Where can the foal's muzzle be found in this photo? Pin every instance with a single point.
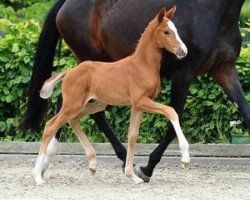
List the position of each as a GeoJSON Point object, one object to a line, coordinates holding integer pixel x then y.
{"type": "Point", "coordinates": [181, 52]}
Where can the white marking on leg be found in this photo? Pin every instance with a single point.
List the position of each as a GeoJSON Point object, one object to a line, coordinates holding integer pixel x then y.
{"type": "Point", "coordinates": [51, 151]}
{"type": "Point", "coordinates": [37, 171]}
{"type": "Point", "coordinates": [183, 144]}
{"type": "Point", "coordinates": [52, 147]}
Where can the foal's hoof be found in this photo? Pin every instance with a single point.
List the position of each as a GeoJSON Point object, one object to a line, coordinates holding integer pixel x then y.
{"type": "Point", "coordinates": [185, 165]}
{"type": "Point", "coordinates": [139, 173]}
{"type": "Point", "coordinates": [92, 167]}
{"type": "Point", "coordinates": [136, 179]}
{"type": "Point", "coordinates": [132, 176]}
{"type": "Point", "coordinates": [40, 182]}
{"type": "Point", "coordinates": [38, 178]}
{"type": "Point", "coordinates": [92, 171]}
{"type": "Point", "coordinates": [123, 168]}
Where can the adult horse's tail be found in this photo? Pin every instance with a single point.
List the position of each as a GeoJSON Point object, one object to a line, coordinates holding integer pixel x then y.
{"type": "Point", "coordinates": [42, 69]}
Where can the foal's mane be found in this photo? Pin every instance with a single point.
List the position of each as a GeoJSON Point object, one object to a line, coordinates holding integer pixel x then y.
{"type": "Point", "coordinates": [146, 35]}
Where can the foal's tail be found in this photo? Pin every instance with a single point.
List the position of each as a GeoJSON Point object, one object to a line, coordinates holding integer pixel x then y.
{"type": "Point", "coordinates": [49, 84]}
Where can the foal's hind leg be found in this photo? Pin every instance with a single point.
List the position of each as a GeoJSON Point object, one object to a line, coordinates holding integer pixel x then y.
{"type": "Point", "coordinates": [50, 152]}
{"type": "Point", "coordinates": [54, 142]}
{"type": "Point", "coordinates": [50, 129]}
{"type": "Point", "coordinates": [90, 151]}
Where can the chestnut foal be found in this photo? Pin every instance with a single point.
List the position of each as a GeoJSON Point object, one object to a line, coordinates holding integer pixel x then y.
{"type": "Point", "coordinates": [91, 86]}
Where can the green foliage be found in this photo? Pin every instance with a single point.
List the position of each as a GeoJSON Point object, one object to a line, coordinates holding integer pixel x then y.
{"type": "Point", "coordinates": [207, 113]}
{"type": "Point", "coordinates": [36, 11]}
{"type": "Point", "coordinates": [16, 56]}
{"type": "Point", "coordinates": [245, 12]}
{"type": "Point", "coordinates": [7, 13]}
{"type": "Point", "coordinates": [23, 3]}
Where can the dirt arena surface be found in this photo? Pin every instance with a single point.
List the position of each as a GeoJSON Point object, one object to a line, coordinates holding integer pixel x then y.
{"type": "Point", "coordinates": [72, 180]}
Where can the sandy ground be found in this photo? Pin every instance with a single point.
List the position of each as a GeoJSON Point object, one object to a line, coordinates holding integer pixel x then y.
{"type": "Point", "coordinates": [72, 180]}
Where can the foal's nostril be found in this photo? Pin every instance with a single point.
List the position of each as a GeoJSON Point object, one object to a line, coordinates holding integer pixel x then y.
{"type": "Point", "coordinates": [181, 53]}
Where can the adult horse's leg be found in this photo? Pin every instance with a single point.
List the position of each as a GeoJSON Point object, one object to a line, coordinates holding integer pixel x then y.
{"type": "Point", "coordinates": [102, 124]}
{"type": "Point", "coordinates": [58, 108]}
{"type": "Point", "coordinates": [226, 76]}
{"type": "Point", "coordinates": [179, 90]}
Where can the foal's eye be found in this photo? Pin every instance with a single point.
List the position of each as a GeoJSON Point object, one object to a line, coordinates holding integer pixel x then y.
{"type": "Point", "coordinates": [166, 33]}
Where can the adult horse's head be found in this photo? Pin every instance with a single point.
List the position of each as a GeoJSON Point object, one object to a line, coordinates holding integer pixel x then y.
{"type": "Point", "coordinates": [168, 36]}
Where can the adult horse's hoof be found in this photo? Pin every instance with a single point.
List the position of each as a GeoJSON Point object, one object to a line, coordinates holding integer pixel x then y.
{"type": "Point", "coordinates": [185, 165]}
{"type": "Point", "coordinates": [139, 173]}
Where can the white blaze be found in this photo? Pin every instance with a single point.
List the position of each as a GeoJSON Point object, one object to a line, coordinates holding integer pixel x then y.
{"type": "Point", "coordinates": [173, 28]}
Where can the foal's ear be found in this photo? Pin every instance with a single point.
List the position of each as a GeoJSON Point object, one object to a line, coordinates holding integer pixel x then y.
{"type": "Point", "coordinates": [161, 14]}
{"type": "Point", "coordinates": [170, 13]}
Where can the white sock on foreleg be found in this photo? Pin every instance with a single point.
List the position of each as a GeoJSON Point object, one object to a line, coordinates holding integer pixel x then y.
{"type": "Point", "coordinates": [183, 144]}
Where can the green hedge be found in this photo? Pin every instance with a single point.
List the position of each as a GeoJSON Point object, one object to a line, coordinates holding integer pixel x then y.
{"type": "Point", "coordinates": [206, 117]}
{"type": "Point", "coordinates": [245, 13]}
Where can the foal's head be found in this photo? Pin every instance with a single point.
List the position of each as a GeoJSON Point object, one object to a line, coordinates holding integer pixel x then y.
{"type": "Point", "coordinates": [167, 35]}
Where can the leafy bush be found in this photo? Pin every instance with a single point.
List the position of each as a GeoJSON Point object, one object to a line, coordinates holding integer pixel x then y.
{"type": "Point", "coordinates": [16, 56]}
{"type": "Point", "coordinates": [245, 13]}
{"type": "Point", "coordinates": [206, 117]}
{"type": "Point", "coordinates": [208, 111]}
{"type": "Point", "coordinates": [36, 11]}
{"type": "Point", "coordinates": [22, 3]}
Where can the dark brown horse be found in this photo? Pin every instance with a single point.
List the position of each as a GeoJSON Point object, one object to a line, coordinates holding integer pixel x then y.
{"type": "Point", "coordinates": [103, 30]}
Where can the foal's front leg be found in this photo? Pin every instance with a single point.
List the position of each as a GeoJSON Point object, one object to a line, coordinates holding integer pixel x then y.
{"type": "Point", "coordinates": [148, 105]}
{"type": "Point", "coordinates": [135, 122]}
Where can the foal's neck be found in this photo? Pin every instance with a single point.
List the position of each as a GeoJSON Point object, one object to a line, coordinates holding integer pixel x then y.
{"type": "Point", "coordinates": [148, 50]}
